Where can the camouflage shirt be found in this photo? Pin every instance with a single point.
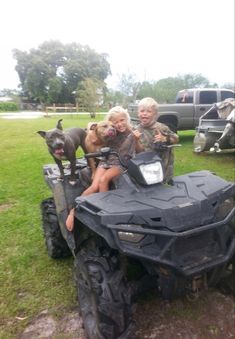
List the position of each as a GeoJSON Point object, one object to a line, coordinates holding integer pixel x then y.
{"type": "Point", "coordinates": [166, 154]}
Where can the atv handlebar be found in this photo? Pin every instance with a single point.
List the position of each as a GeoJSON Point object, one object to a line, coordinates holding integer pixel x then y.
{"type": "Point", "coordinates": [104, 152]}
{"type": "Point", "coordinates": [163, 145]}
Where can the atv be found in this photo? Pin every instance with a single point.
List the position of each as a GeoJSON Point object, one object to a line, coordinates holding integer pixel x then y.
{"type": "Point", "coordinates": [141, 234]}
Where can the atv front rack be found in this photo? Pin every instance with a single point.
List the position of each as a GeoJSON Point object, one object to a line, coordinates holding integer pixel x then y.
{"type": "Point", "coordinates": [187, 253]}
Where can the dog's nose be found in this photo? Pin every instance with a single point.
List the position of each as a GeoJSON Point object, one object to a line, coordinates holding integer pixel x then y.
{"type": "Point", "coordinates": [112, 132]}
{"type": "Point", "coordinates": [59, 143]}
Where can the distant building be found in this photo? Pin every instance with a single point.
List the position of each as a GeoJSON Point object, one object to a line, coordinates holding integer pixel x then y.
{"type": "Point", "coordinates": [5, 99]}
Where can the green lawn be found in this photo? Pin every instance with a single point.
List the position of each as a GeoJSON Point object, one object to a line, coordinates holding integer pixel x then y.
{"type": "Point", "coordinates": [30, 281]}
{"type": "Point", "coordinates": [222, 164]}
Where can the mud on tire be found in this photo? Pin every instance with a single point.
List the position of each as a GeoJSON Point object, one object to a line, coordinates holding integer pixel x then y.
{"type": "Point", "coordinates": [55, 243]}
{"type": "Point", "coordinates": [226, 285]}
{"type": "Point", "coordinates": [104, 299]}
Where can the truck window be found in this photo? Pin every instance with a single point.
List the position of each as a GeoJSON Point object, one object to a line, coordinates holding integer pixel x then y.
{"type": "Point", "coordinates": [226, 95]}
{"type": "Point", "coordinates": [185, 98]}
{"type": "Point", "coordinates": [207, 97]}
{"type": "Point", "coordinates": [189, 99]}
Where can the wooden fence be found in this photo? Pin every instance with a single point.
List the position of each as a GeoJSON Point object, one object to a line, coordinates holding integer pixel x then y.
{"type": "Point", "coordinates": [63, 108]}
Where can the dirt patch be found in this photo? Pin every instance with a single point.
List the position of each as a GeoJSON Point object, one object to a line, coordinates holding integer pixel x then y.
{"type": "Point", "coordinates": [5, 207]}
{"type": "Point", "coordinates": [45, 325]}
{"type": "Point", "coordinates": [210, 316]}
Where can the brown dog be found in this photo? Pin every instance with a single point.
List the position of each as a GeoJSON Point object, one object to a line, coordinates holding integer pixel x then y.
{"type": "Point", "coordinates": [97, 136]}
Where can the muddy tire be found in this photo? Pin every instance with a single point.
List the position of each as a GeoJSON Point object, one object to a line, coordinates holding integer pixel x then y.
{"type": "Point", "coordinates": [55, 243]}
{"type": "Point", "coordinates": [226, 284]}
{"type": "Point", "coordinates": [104, 299]}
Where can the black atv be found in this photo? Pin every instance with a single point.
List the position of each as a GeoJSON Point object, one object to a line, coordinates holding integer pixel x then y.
{"type": "Point", "coordinates": [177, 238]}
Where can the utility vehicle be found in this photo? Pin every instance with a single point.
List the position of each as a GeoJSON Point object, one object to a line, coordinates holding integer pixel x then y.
{"type": "Point", "coordinates": [142, 233]}
{"type": "Point", "coordinates": [216, 129]}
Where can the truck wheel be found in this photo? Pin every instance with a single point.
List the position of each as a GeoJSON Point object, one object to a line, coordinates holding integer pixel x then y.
{"type": "Point", "coordinates": [172, 127]}
{"type": "Point", "coordinates": [55, 243]}
{"type": "Point", "coordinates": [171, 123]}
{"type": "Point", "coordinates": [104, 299]}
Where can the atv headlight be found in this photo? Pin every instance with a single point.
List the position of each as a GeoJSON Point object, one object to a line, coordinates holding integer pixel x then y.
{"type": "Point", "coordinates": [130, 236]}
{"type": "Point", "coordinates": [152, 173]}
{"type": "Point", "coordinates": [146, 168]}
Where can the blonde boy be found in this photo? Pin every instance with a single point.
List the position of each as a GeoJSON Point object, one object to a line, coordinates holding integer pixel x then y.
{"type": "Point", "coordinates": [149, 132]}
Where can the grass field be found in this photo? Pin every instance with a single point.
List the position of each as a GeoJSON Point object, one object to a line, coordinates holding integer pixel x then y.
{"type": "Point", "coordinates": [30, 281]}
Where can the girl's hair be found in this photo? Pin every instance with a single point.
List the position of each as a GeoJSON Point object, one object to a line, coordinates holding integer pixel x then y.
{"type": "Point", "coordinates": [117, 111]}
{"type": "Point", "coordinates": [148, 103]}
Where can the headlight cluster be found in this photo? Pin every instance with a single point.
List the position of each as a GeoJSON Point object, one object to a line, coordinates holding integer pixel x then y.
{"type": "Point", "coordinates": [130, 236]}
{"type": "Point", "coordinates": [152, 173]}
{"type": "Point", "coordinates": [146, 168]}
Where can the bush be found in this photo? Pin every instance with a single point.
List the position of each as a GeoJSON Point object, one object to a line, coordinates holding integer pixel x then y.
{"type": "Point", "coordinates": [8, 107]}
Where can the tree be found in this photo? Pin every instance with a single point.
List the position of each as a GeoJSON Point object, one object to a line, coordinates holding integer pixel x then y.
{"type": "Point", "coordinates": [229, 85]}
{"type": "Point", "coordinates": [113, 98]}
{"type": "Point", "coordinates": [165, 90]}
{"type": "Point", "coordinates": [89, 94]}
{"type": "Point", "coordinates": [146, 90]}
{"type": "Point", "coordinates": [55, 89]}
{"type": "Point", "coordinates": [129, 86]}
{"type": "Point", "coordinates": [7, 92]}
{"type": "Point", "coordinates": [195, 80]}
{"type": "Point", "coordinates": [54, 71]}
{"type": "Point", "coordinates": [37, 81]}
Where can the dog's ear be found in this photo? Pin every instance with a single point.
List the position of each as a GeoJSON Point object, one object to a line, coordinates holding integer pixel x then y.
{"type": "Point", "coordinates": [92, 126]}
{"type": "Point", "coordinates": [59, 126]}
{"type": "Point", "coordinates": [42, 133]}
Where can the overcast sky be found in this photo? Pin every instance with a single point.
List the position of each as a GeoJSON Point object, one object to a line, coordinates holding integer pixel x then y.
{"type": "Point", "coordinates": [153, 39]}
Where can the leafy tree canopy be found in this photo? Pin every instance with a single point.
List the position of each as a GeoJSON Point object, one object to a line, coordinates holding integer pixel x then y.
{"type": "Point", "coordinates": [165, 90]}
{"type": "Point", "coordinates": [54, 71]}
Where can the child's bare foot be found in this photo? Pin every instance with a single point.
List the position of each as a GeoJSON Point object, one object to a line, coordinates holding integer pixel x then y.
{"type": "Point", "coordinates": [70, 220]}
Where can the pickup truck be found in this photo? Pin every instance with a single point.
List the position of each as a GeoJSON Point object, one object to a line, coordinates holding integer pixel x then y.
{"type": "Point", "coordinates": [190, 105]}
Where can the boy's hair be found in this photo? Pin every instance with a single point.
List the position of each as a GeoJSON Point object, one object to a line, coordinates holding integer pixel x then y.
{"type": "Point", "coordinates": [148, 103]}
{"type": "Point", "coordinates": [116, 111]}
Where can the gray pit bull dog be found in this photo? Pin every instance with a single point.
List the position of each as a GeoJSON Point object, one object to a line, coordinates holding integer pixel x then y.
{"type": "Point", "coordinates": [62, 145]}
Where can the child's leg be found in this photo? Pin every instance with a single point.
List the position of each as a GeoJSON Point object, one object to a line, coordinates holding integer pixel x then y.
{"type": "Point", "coordinates": [95, 183]}
{"type": "Point", "coordinates": [107, 177]}
{"type": "Point", "coordinates": [91, 189]}
{"type": "Point", "coordinates": [70, 220]}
